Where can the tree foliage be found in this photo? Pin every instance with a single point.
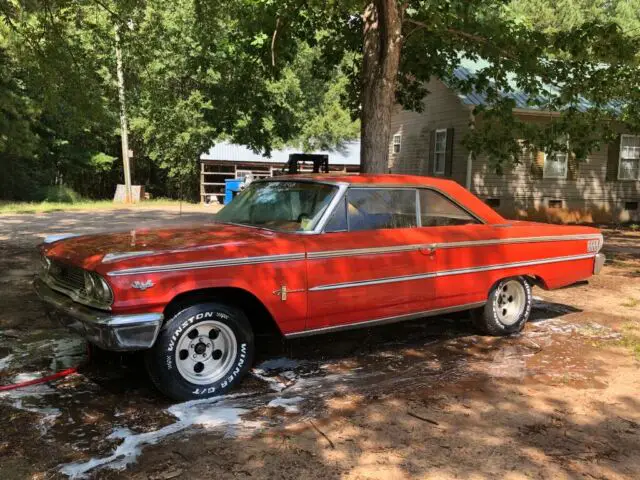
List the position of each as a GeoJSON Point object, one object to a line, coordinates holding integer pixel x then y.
{"type": "Point", "coordinates": [578, 58]}
{"type": "Point", "coordinates": [268, 73]}
{"type": "Point", "coordinates": [195, 74]}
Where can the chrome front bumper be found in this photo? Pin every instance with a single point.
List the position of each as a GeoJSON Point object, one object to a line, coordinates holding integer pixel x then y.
{"type": "Point", "coordinates": [598, 263]}
{"type": "Point", "coordinates": [107, 331]}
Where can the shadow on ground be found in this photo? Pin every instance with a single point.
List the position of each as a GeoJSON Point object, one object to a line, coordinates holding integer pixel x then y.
{"type": "Point", "coordinates": [426, 398]}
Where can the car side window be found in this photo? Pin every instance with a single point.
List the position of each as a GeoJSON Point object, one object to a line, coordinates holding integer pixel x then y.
{"type": "Point", "coordinates": [338, 220]}
{"type": "Point", "coordinates": [437, 210]}
{"type": "Point", "coordinates": [377, 208]}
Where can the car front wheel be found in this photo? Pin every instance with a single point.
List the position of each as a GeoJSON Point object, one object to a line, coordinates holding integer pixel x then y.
{"type": "Point", "coordinates": [203, 351]}
{"type": "Point", "coordinates": [507, 308]}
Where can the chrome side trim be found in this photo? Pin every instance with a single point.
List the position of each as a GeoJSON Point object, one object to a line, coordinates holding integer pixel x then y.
{"type": "Point", "coordinates": [444, 273]}
{"type": "Point", "coordinates": [354, 252]}
{"type": "Point", "coordinates": [136, 319]}
{"type": "Point", "coordinates": [60, 236]}
{"type": "Point", "coordinates": [112, 257]}
{"type": "Point", "coordinates": [500, 241]}
{"type": "Point", "coordinates": [378, 281]}
{"type": "Point", "coordinates": [345, 253]}
{"type": "Point", "coordinates": [470, 243]}
{"type": "Point", "coordinates": [386, 320]}
{"type": "Point", "coordinates": [209, 264]}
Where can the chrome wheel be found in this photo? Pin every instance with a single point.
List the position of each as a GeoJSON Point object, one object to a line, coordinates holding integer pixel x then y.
{"type": "Point", "coordinates": [509, 301]}
{"type": "Point", "coordinates": [205, 352]}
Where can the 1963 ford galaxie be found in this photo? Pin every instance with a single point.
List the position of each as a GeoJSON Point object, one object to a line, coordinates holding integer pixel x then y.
{"type": "Point", "coordinates": [307, 255]}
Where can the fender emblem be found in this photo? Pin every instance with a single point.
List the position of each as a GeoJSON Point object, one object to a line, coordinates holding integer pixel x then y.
{"type": "Point", "coordinates": [142, 285]}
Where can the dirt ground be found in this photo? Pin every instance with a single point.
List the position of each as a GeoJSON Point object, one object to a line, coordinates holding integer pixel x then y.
{"type": "Point", "coordinates": [421, 399]}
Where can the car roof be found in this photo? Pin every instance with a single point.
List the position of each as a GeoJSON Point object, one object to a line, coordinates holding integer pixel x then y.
{"type": "Point", "coordinates": [369, 179]}
{"type": "Point", "coordinates": [448, 187]}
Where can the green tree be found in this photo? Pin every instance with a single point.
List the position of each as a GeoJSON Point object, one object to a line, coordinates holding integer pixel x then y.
{"type": "Point", "coordinates": [312, 94]}
{"type": "Point", "coordinates": [553, 16]}
{"type": "Point", "coordinates": [401, 45]}
{"type": "Point", "coordinates": [57, 100]}
{"type": "Point", "coordinates": [266, 73]}
{"type": "Point", "coordinates": [203, 74]}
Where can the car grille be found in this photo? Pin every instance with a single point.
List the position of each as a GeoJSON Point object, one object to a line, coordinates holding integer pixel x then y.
{"type": "Point", "coordinates": [67, 276]}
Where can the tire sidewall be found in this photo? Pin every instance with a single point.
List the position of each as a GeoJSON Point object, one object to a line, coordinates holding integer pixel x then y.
{"type": "Point", "coordinates": [492, 316]}
{"type": "Point", "coordinates": [161, 360]}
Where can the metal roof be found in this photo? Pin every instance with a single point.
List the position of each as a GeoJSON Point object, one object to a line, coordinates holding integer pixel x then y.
{"type": "Point", "coordinates": [469, 68]}
{"type": "Point", "coordinates": [231, 152]}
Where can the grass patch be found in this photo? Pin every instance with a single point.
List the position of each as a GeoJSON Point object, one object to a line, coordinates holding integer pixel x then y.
{"type": "Point", "coordinates": [632, 302]}
{"type": "Point", "coordinates": [13, 208]}
{"type": "Point", "coordinates": [631, 337]}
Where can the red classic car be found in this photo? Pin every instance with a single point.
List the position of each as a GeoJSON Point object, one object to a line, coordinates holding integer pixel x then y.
{"type": "Point", "coordinates": [309, 255]}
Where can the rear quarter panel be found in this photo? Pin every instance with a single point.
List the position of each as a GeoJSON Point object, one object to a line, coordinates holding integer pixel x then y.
{"type": "Point", "coordinates": [473, 259]}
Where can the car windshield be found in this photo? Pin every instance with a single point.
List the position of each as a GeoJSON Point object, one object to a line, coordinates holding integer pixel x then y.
{"type": "Point", "coordinates": [279, 205]}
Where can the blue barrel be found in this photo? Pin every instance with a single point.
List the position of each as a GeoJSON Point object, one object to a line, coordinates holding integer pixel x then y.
{"type": "Point", "coordinates": [231, 188]}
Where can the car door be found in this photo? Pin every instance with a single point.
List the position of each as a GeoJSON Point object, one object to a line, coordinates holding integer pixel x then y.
{"type": "Point", "coordinates": [371, 261]}
{"type": "Point", "coordinates": [461, 242]}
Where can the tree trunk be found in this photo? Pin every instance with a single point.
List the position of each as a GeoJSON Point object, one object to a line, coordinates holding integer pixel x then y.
{"type": "Point", "coordinates": [381, 60]}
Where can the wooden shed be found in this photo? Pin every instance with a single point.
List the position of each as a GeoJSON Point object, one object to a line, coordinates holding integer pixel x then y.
{"type": "Point", "coordinates": [227, 160]}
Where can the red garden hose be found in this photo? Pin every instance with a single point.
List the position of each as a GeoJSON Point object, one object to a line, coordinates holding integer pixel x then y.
{"type": "Point", "coordinates": [35, 381]}
{"type": "Point", "coordinates": [47, 378]}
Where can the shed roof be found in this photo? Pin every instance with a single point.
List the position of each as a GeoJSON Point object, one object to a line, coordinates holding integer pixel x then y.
{"type": "Point", "coordinates": [231, 152]}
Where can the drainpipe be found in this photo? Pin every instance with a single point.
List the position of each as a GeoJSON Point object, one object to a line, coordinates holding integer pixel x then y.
{"type": "Point", "coordinates": [472, 126]}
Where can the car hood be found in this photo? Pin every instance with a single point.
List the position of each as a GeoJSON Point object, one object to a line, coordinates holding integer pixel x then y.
{"type": "Point", "coordinates": [159, 246]}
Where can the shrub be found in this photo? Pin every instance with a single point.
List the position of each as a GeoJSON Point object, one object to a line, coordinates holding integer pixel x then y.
{"type": "Point", "coordinates": [59, 194]}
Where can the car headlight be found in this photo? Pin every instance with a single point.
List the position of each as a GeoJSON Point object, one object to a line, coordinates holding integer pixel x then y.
{"type": "Point", "coordinates": [96, 288]}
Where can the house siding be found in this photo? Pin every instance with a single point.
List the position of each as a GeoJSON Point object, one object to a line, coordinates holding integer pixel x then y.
{"type": "Point", "coordinates": [587, 198]}
{"type": "Point", "coordinates": [442, 109]}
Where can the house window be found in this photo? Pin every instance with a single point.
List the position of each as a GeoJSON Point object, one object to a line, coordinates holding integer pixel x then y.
{"type": "Point", "coordinates": [397, 142]}
{"type": "Point", "coordinates": [631, 206]}
{"type": "Point", "coordinates": [629, 167]}
{"type": "Point", "coordinates": [554, 203]}
{"type": "Point", "coordinates": [440, 151]}
{"type": "Point", "coordinates": [556, 164]}
{"type": "Point", "coordinates": [493, 202]}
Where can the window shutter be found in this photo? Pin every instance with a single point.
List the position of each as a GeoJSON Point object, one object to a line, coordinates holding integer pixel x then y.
{"type": "Point", "coordinates": [613, 160]}
{"type": "Point", "coordinates": [572, 167]}
{"type": "Point", "coordinates": [448, 161]}
{"type": "Point", "coordinates": [537, 164]}
{"type": "Point", "coordinates": [432, 147]}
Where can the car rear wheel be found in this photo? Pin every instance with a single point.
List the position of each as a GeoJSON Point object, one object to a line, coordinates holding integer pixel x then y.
{"type": "Point", "coordinates": [507, 308]}
{"type": "Point", "coordinates": [203, 351]}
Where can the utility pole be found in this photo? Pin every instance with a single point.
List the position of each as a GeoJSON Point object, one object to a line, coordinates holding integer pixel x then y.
{"type": "Point", "coordinates": [123, 120]}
